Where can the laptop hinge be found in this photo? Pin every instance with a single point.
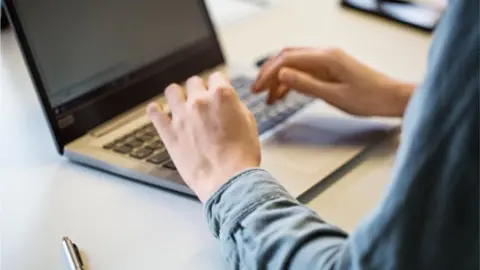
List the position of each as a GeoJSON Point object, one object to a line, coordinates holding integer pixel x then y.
{"type": "Point", "coordinates": [117, 122]}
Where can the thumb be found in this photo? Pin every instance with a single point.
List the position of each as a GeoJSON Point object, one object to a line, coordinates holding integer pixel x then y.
{"type": "Point", "coordinates": [306, 84]}
{"type": "Point", "coordinates": [160, 120]}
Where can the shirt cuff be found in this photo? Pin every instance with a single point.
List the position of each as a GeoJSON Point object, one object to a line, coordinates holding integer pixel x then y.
{"type": "Point", "coordinates": [238, 197]}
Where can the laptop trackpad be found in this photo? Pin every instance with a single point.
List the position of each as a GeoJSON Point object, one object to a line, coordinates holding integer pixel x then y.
{"type": "Point", "coordinates": [321, 139]}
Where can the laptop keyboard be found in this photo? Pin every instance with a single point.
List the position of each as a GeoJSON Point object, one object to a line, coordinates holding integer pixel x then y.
{"type": "Point", "coordinates": [268, 116]}
{"type": "Point", "coordinates": [144, 143]}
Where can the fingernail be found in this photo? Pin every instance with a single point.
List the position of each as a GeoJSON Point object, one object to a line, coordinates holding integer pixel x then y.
{"type": "Point", "coordinates": [152, 109]}
{"type": "Point", "coordinates": [193, 80]}
{"type": "Point", "coordinates": [171, 87]}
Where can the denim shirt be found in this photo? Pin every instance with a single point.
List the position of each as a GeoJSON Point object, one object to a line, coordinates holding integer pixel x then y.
{"type": "Point", "coordinates": [429, 218]}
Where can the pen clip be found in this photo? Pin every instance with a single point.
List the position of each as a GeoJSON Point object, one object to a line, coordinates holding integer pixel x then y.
{"type": "Point", "coordinates": [73, 254]}
{"type": "Point", "coordinates": [77, 254]}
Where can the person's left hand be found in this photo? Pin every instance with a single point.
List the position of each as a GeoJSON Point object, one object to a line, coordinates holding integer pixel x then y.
{"type": "Point", "coordinates": [212, 135]}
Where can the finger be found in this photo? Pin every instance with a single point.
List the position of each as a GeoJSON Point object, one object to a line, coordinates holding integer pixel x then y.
{"type": "Point", "coordinates": [306, 59]}
{"type": "Point", "coordinates": [269, 62]}
{"type": "Point", "coordinates": [283, 90]}
{"type": "Point", "coordinates": [278, 94]}
{"type": "Point", "coordinates": [160, 120]}
{"type": "Point", "coordinates": [309, 85]}
{"type": "Point", "coordinates": [254, 88]}
{"type": "Point", "coordinates": [175, 97]}
{"type": "Point", "coordinates": [273, 92]}
{"type": "Point", "coordinates": [218, 81]}
{"type": "Point", "coordinates": [195, 86]}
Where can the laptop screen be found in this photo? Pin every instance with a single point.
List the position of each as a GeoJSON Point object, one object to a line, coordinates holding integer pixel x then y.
{"type": "Point", "coordinates": [81, 45]}
{"type": "Point", "coordinates": [91, 60]}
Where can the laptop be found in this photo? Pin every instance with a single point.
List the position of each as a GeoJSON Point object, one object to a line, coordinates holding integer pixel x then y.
{"type": "Point", "coordinates": [95, 65]}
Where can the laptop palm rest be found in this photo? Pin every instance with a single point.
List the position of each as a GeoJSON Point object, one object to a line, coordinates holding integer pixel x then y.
{"type": "Point", "coordinates": [318, 141]}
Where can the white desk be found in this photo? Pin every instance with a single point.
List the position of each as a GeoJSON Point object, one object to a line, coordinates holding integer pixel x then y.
{"type": "Point", "coordinates": [122, 225]}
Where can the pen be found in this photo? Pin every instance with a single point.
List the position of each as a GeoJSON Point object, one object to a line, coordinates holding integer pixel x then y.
{"type": "Point", "coordinates": [73, 254]}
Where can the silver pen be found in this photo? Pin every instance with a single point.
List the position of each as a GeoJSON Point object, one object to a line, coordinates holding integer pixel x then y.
{"type": "Point", "coordinates": [73, 254]}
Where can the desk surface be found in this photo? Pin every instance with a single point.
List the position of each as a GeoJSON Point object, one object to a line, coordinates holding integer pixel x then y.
{"type": "Point", "coordinates": [124, 225]}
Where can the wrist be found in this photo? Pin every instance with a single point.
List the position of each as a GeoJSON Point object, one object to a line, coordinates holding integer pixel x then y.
{"type": "Point", "coordinates": [221, 175]}
{"type": "Point", "coordinates": [400, 94]}
{"type": "Point", "coordinates": [405, 91]}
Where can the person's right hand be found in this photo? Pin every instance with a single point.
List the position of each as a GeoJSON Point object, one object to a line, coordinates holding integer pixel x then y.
{"type": "Point", "coordinates": [335, 77]}
{"type": "Point", "coordinates": [211, 135]}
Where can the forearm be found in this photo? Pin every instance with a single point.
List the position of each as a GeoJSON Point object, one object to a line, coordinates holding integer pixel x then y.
{"type": "Point", "coordinates": [260, 226]}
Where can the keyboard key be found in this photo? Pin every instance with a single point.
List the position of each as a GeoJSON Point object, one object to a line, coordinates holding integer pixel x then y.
{"type": "Point", "coordinates": [120, 140]}
{"type": "Point", "coordinates": [145, 137]}
{"type": "Point", "coordinates": [159, 157]}
{"type": "Point", "coordinates": [252, 100]}
{"type": "Point", "coordinates": [142, 153]}
{"type": "Point", "coordinates": [281, 106]}
{"type": "Point", "coordinates": [150, 127]}
{"type": "Point", "coordinates": [305, 99]}
{"type": "Point", "coordinates": [155, 145]}
{"type": "Point", "coordinates": [266, 125]}
{"type": "Point", "coordinates": [272, 113]}
{"type": "Point", "coordinates": [242, 86]}
{"type": "Point", "coordinates": [259, 108]}
{"type": "Point", "coordinates": [109, 145]}
{"type": "Point", "coordinates": [146, 127]}
{"type": "Point", "coordinates": [263, 117]}
{"type": "Point", "coordinates": [126, 138]}
{"type": "Point", "coordinates": [151, 133]}
{"type": "Point", "coordinates": [170, 165]}
{"type": "Point", "coordinates": [241, 82]}
{"type": "Point", "coordinates": [259, 116]}
{"type": "Point", "coordinates": [137, 131]}
{"type": "Point", "coordinates": [243, 94]}
{"type": "Point", "coordinates": [290, 103]}
{"type": "Point", "coordinates": [285, 114]}
{"type": "Point", "coordinates": [123, 149]}
{"type": "Point", "coordinates": [134, 143]}
{"type": "Point", "coordinates": [139, 139]}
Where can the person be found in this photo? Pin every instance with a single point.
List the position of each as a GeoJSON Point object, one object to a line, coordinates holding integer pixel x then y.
{"type": "Point", "coordinates": [429, 218]}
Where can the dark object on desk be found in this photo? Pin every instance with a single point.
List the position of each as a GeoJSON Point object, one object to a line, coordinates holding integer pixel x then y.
{"type": "Point", "coordinates": [5, 23]}
{"type": "Point", "coordinates": [420, 16]}
{"type": "Point", "coordinates": [262, 61]}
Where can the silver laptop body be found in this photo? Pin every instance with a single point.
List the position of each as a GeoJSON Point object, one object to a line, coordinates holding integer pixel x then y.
{"type": "Point", "coordinates": [96, 64]}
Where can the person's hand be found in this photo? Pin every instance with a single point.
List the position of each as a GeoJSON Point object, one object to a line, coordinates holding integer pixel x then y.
{"type": "Point", "coordinates": [211, 136]}
{"type": "Point", "coordinates": [335, 77]}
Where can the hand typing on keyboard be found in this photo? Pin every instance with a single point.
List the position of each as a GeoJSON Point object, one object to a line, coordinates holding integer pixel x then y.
{"type": "Point", "coordinates": [268, 116]}
{"type": "Point", "coordinates": [211, 136]}
{"type": "Point", "coordinates": [335, 77]}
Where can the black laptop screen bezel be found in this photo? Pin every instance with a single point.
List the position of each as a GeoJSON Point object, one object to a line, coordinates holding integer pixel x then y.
{"type": "Point", "coordinates": [105, 102]}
